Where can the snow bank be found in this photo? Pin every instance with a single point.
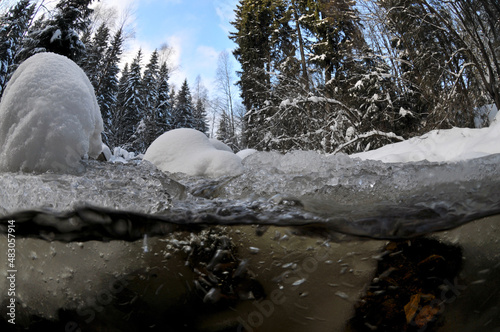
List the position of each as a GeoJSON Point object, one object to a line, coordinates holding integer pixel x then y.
{"type": "Point", "coordinates": [190, 151]}
{"type": "Point", "coordinates": [448, 145]}
{"type": "Point", "coordinates": [49, 117]}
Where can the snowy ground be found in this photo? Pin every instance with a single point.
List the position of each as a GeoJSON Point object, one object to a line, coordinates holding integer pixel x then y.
{"type": "Point", "coordinates": [186, 151]}
{"type": "Point", "coordinates": [450, 145]}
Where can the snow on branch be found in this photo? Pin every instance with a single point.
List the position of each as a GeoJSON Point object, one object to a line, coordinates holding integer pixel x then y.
{"type": "Point", "coordinates": [366, 135]}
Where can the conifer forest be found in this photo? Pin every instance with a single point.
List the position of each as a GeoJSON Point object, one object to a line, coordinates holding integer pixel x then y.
{"type": "Point", "coordinates": [325, 75]}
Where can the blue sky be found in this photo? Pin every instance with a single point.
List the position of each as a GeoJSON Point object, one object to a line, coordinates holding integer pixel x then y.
{"type": "Point", "coordinates": [196, 29]}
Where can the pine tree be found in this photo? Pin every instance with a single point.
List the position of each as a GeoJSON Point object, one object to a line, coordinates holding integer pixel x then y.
{"type": "Point", "coordinates": [183, 115]}
{"type": "Point", "coordinates": [13, 25]}
{"type": "Point", "coordinates": [60, 34]}
{"type": "Point", "coordinates": [333, 27]}
{"type": "Point", "coordinates": [290, 101]}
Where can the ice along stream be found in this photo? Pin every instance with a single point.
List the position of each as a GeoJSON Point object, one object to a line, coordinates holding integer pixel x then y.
{"type": "Point", "coordinates": [297, 242]}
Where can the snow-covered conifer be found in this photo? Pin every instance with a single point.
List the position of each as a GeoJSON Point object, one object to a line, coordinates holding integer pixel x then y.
{"type": "Point", "coordinates": [60, 33]}
{"type": "Point", "coordinates": [13, 25]}
{"type": "Point", "coordinates": [163, 108]}
{"type": "Point", "coordinates": [183, 110]}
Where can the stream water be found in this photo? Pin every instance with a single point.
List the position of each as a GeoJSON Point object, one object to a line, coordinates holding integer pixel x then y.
{"type": "Point", "coordinates": [298, 242]}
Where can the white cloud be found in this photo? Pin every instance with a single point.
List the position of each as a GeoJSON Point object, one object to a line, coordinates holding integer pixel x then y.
{"type": "Point", "coordinates": [209, 56]}
{"type": "Point", "coordinates": [179, 75]}
{"type": "Point", "coordinates": [121, 5]}
{"type": "Point", "coordinates": [225, 12]}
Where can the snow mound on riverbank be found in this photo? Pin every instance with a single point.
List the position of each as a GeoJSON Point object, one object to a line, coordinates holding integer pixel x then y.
{"type": "Point", "coordinates": [190, 152]}
{"type": "Point", "coordinates": [447, 145]}
{"type": "Point", "coordinates": [49, 117]}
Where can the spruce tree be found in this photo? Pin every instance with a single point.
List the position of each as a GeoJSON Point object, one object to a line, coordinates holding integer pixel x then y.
{"type": "Point", "coordinates": [200, 116]}
{"type": "Point", "coordinates": [60, 34]}
{"type": "Point", "coordinates": [133, 108]}
{"type": "Point", "coordinates": [150, 87]}
{"type": "Point", "coordinates": [200, 98]}
{"type": "Point", "coordinates": [129, 109]}
{"type": "Point", "coordinates": [118, 136]}
{"type": "Point", "coordinates": [107, 85]}
{"type": "Point", "coordinates": [255, 24]}
{"type": "Point", "coordinates": [183, 115]}
{"type": "Point", "coordinates": [224, 130]}
{"type": "Point", "coordinates": [163, 108]}
{"type": "Point", "coordinates": [93, 62]}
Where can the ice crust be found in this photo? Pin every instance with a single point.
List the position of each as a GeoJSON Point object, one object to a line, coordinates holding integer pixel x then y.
{"type": "Point", "coordinates": [368, 198]}
{"type": "Point", "coordinates": [49, 117]}
{"type": "Point", "coordinates": [130, 187]}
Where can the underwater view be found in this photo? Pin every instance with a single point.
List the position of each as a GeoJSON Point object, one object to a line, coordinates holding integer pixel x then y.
{"type": "Point", "coordinates": [297, 242]}
{"type": "Point", "coordinates": [134, 200]}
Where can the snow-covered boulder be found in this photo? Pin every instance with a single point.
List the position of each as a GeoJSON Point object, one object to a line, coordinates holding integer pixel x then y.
{"type": "Point", "coordinates": [49, 117]}
{"type": "Point", "coordinates": [220, 145]}
{"type": "Point", "coordinates": [121, 155]}
{"type": "Point", "coordinates": [189, 151]}
{"type": "Point", "coordinates": [245, 153]}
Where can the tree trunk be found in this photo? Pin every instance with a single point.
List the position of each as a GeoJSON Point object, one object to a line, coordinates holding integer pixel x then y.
{"type": "Point", "coordinates": [305, 75]}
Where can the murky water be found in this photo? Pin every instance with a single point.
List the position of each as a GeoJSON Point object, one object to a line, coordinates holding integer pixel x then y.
{"type": "Point", "coordinates": [300, 242]}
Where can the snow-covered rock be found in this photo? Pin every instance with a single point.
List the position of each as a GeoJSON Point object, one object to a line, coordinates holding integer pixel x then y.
{"type": "Point", "coordinates": [106, 152]}
{"type": "Point", "coordinates": [121, 155]}
{"type": "Point", "coordinates": [190, 152]}
{"type": "Point", "coordinates": [245, 153]}
{"type": "Point", "coordinates": [49, 117]}
{"type": "Point", "coordinates": [220, 145]}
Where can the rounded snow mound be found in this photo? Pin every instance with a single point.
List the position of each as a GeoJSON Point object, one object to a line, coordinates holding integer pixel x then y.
{"type": "Point", "coordinates": [49, 117]}
{"type": "Point", "coordinates": [190, 152]}
{"type": "Point", "coordinates": [245, 153]}
{"type": "Point", "coordinates": [220, 145]}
